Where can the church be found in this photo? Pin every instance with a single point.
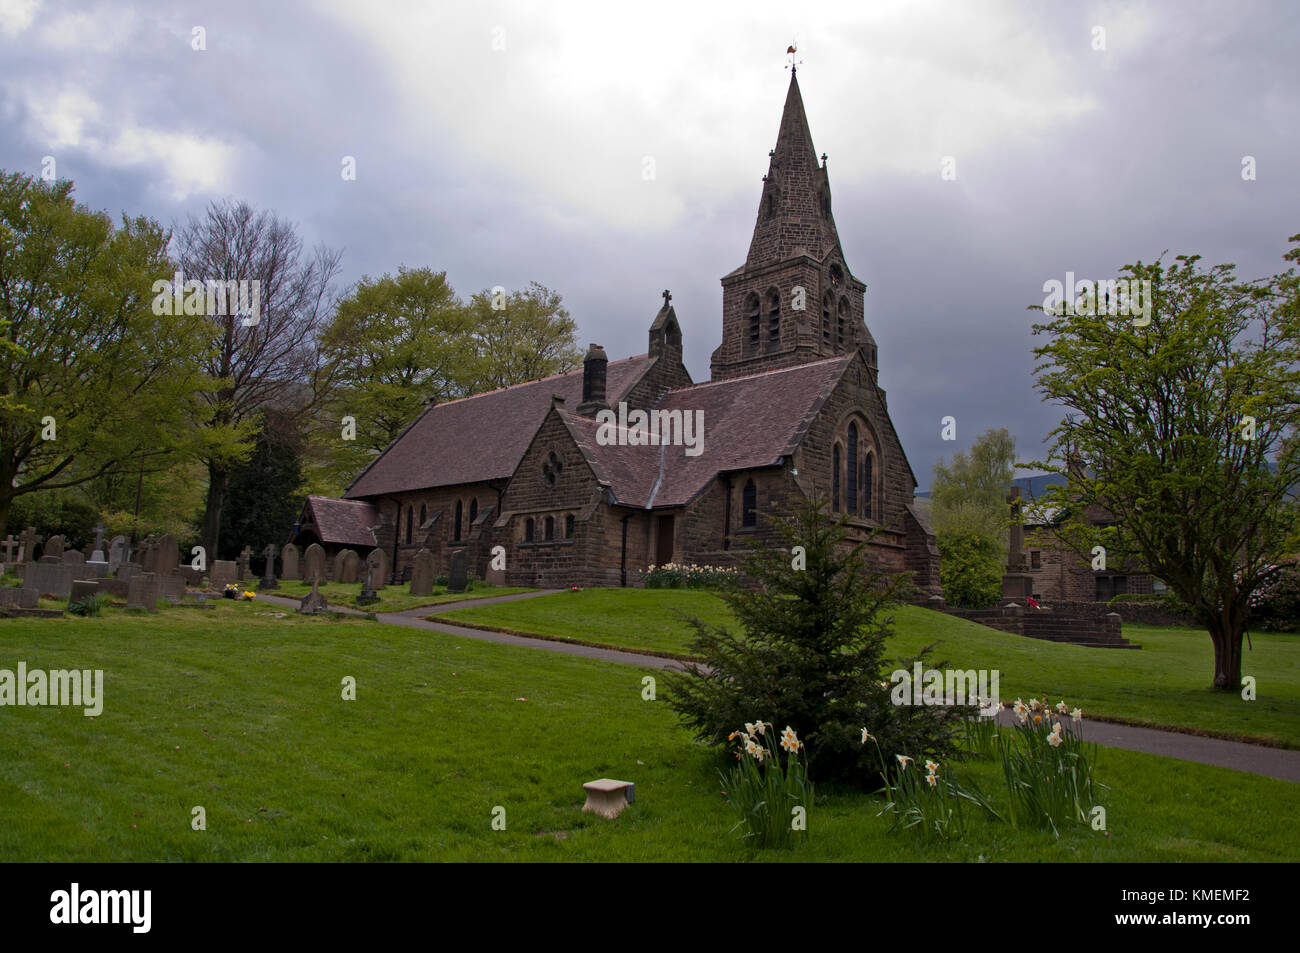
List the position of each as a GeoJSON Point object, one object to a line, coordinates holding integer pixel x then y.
{"type": "Point", "coordinates": [793, 406]}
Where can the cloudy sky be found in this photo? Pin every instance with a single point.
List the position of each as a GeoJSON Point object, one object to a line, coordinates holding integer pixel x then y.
{"type": "Point", "coordinates": [505, 142]}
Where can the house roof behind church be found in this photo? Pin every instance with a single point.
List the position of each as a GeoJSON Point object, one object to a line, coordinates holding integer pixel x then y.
{"type": "Point", "coordinates": [749, 422]}
{"type": "Point", "coordinates": [482, 437]}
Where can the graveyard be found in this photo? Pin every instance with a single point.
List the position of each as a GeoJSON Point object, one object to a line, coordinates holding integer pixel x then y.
{"type": "Point", "coordinates": [238, 710]}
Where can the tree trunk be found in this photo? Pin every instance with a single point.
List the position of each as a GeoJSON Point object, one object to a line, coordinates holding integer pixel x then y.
{"type": "Point", "coordinates": [218, 479]}
{"type": "Point", "coordinates": [1226, 634]}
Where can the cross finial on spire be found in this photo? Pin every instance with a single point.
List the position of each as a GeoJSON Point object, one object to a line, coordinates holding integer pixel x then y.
{"type": "Point", "coordinates": [823, 160]}
{"type": "Point", "coordinates": [667, 297]}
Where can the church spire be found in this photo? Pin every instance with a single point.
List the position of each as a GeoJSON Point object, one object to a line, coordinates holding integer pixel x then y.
{"type": "Point", "coordinates": [794, 216]}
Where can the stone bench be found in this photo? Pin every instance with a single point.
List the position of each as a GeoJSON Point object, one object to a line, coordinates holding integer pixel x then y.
{"type": "Point", "coordinates": [608, 797]}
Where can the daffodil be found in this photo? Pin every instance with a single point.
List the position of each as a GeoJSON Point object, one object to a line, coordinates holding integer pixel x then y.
{"type": "Point", "coordinates": [1062, 707]}
{"type": "Point", "coordinates": [866, 736]}
{"type": "Point", "coordinates": [932, 766]}
{"type": "Point", "coordinates": [903, 760]}
{"type": "Point", "coordinates": [1077, 715]}
{"type": "Point", "coordinates": [790, 741]}
{"type": "Point", "coordinates": [1054, 739]}
{"type": "Point", "coordinates": [931, 779]}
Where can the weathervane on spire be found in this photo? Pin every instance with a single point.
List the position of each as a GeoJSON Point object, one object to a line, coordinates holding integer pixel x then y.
{"type": "Point", "coordinates": [793, 65]}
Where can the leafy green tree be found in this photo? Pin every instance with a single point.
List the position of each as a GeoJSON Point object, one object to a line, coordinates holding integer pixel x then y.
{"type": "Point", "coordinates": [811, 656]}
{"type": "Point", "coordinates": [522, 336]}
{"type": "Point", "coordinates": [970, 569]}
{"type": "Point", "coordinates": [393, 346]}
{"type": "Point", "coordinates": [969, 495]}
{"type": "Point", "coordinates": [92, 379]}
{"type": "Point", "coordinates": [1183, 429]}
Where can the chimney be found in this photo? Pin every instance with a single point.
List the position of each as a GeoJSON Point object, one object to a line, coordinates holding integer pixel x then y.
{"type": "Point", "coordinates": [593, 381]}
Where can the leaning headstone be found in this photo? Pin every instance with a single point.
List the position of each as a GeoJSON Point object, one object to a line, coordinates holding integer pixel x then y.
{"type": "Point", "coordinates": [73, 559]}
{"type": "Point", "coordinates": [81, 588]}
{"type": "Point", "coordinates": [349, 566]}
{"type": "Point", "coordinates": [457, 578]}
{"type": "Point", "coordinates": [245, 556]}
{"type": "Point", "coordinates": [422, 573]}
{"type": "Point", "coordinates": [313, 563]}
{"type": "Point", "coordinates": [143, 590]}
{"type": "Point", "coordinates": [54, 578]}
{"type": "Point", "coordinates": [289, 562]}
{"type": "Point", "coordinates": [268, 573]}
{"type": "Point", "coordinates": [55, 547]}
{"type": "Point", "coordinates": [313, 603]}
{"type": "Point", "coordinates": [117, 552]}
{"type": "Point", "coordinates": [382, 574]}
{"type": "Point", "coordinates": [223, 573]}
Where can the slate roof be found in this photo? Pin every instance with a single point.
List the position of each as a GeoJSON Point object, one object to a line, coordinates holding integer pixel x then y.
{"type": "Point", "coordinates": [749, 422]}
{"type": "Point", "coordinates": [482, 437]}
{"type": "Point", "coordinates": [346, 522]}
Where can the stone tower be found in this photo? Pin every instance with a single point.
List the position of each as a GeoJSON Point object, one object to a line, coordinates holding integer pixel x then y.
{"type": "Point", "coordinates": [794, 300]}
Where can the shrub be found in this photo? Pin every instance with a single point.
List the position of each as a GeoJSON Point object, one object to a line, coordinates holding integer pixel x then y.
{"type": "Point", "coordinates": [91, 605]}
{"type": "Point", "coordinates": [970, 570]}
{"type": "Point", "coordinates": [673, 576]}
{"type": "Point", "coordinates": [1277, 606]}
{"type": "Point", "coordinates": [812, 655]}
{"type": "Point", "coordinates": [767, 784]}
{"type": "Point", "coordinates": [441, 580]}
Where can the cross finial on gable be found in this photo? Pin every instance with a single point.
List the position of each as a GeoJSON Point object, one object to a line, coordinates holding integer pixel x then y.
{"type": "Point", "coordinates": [667, 297]}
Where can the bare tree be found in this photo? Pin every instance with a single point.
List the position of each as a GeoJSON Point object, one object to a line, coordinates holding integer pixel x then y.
{"type": "Point", "coordinates": [263, 360]}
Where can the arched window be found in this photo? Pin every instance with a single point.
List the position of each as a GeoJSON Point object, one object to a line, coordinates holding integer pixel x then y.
{"type": "Point", "coordinates": [842, 324]}
{"type": "Point", "coordinates": [749, 505]}
{"type": "Point", "coordinates": [410, 515]}
{"type": "Point", "coordinates": [550, 528]}
{"type": "Point", "coordinates": [754, 322]}
{"type": "Point", "coordinates": [773, 318]}
{"type": "Point", "coordinates": [460, 509]}
{"type": "Point", "coordinates": [473, 510]}
{"type": "Point", "coordinates": [835, 479]}
{"type": "Point", "coordinates": [851, 492]}
{"type": "Point", "coordinates": [568, 526]}
{"type": "Point", "coordinates": [528, 530]}
{"type": "Point", "coordinates": [827, 304]}
{"type": "Point", "coordinates": [423, 516]}
{"type": "Point", "coordinates": [868, 482]}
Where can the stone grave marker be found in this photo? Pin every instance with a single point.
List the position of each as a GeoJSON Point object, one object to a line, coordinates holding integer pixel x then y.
{"type": "Point", "coordinates": [54, 578]}
{"type": "Point", "coordinates": [30, 541]}
{"type": "Point", "coordinates": [12, 548]}
{"type": "Point", "coordinates": [245, 557]}
{"type": "Point", "coordinates": [349, 566]}
{"type": "Point", "coordinates": [422, 574]}
{"type": "Point", "coordinates": [97, 553]}
{"type": "Point", "coordinates": [313, 603]}
{"type": "Point", "coordinates": [73, 559]}
{"type": "Point", "coordinates": [457, 578]}
{"type": "Point", "coordinates": [380, 561]}
{"type": "Point", "coordinates": [54, 549]}
{"type": "Point", "coordinates": [143, 590]}
{"type": "Point", "coordinates": [24, 598]}
{"type": "Point", "coordinates": [117, 552]}
{"type": "Point", "coordinates": [289, 562]}
{"type": "Point", "coordinates": [268, 572]}
{"type": "Point", "coordinates": [166, 554]}
{"type": "Point", "coordinates": [313, 563]}
{"type": "Point", "coordinates": [81, 588]}
{"type": "Point", "coordinates": [223, 573]}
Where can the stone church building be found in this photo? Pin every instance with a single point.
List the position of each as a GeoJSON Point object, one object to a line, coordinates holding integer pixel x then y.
{"type": "Point", "coordinates": [793, 405]}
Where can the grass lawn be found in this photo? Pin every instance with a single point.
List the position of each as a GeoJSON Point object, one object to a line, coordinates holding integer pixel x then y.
{"type": "Point", "coordinates": [1165, 683]}
{"type": "Point", "coordinates": [240, 712]}
{"type": "Point", "coordinates": [391, 598]}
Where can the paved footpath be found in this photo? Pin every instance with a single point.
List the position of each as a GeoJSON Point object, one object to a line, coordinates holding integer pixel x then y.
{"type": "Point", "coordinates": [1281, 763]}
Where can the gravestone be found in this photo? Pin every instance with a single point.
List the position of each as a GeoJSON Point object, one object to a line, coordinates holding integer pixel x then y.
{"type": "Point", "coordinates": [55, 548]}
{"type": "Point", "coordinates": [245, 556]}
{"type": "Point", "coordinates": [73, 559]}
{"type": "Point", "coordinates": [268, 572]}
{"type": "Point", "coordinates": [368, 594]}
{"type": "Point", "coordinates": [143, 590]}
{"type": "Point", "coordinates": [24, 598]}
{"type": "Point", "coordinates": [382, 574]}
{"type": "Point", "coordinates": [30, 541]}
{"type": "Point", "coordinates": [171, 586]}
{"type": "Point", "coordinates": [86, 552]}
{"type": "Point", "coordinates": [118, 548]}
{"type": "Point", "coordinates": [11, 547]}
{"type": "Point", "coordinates": [166, 554]}
{"type": "Point", "coordinates": [54, 578]}
{"type": "Point", "coordinates": [289, 562]}
{"type": "Point", "coordinates": [1016, 582]}
{"type": "Point", "coordinates": [313, 603]}
{"type": "Point", "coordinates": [97, 553]}
{"type": "Point", "coordinates": [223, 573]}
{"type": "Point", "coordinates": [457, 577]}
{"type": "Point", "coordinates": [422, 574]}
{"type": "Point", "coordinates": [144, 552]}
{"type": "Point", "coordinates": [81, 588]}
{"type": "Point", "coordinates": [349, 566]}
{"type": "Point", "coordinates": [313, 563]}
